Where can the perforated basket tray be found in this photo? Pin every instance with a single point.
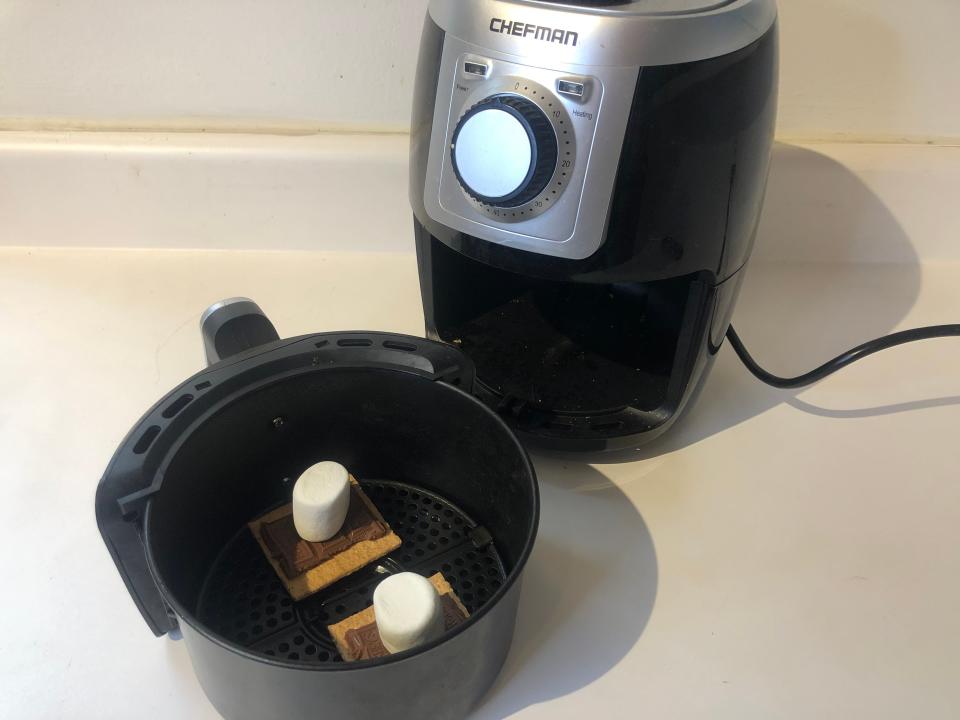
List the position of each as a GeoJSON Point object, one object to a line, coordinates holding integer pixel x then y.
{"type": "Point", "coordinates": [243, 600]}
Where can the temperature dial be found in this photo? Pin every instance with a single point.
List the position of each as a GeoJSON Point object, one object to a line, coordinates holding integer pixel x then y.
{"type": "Point", "coordinates": [504, 151]}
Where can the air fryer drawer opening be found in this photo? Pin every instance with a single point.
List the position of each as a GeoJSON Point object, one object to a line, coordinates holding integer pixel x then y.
{"type": "Point", "coordinates": [563, 347]}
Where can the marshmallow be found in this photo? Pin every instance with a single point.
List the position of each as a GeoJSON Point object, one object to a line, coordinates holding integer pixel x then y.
{"type": "Point", "coordinates": [321, 498]}
{"type": "Point", "coordinates": [408, 612]}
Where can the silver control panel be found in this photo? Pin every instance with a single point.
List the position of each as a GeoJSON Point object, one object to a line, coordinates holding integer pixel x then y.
{"type": "Point", "coordinates": [588, 109]}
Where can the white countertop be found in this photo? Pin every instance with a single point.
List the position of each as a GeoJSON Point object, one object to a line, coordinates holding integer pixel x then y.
{"type": "Point", "coordinates": [788, 555]}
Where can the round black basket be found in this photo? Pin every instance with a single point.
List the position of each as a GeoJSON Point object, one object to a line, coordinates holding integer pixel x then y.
{"type": "Point", "coordinates": [223, 449]}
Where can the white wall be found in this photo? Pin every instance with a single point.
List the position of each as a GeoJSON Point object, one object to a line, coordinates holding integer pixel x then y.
{"type": "Point", "coordinates": [851, 69]}
{"type": "Point", "coordinates": [211, 64]}
{"type": "Point", "coordinates": [870, 69]}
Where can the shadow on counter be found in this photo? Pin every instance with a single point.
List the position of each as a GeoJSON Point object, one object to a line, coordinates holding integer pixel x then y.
{"type": "Point", "coordinates": [588, 590]}
{"type": "Point", "coordinates": [809, 295]}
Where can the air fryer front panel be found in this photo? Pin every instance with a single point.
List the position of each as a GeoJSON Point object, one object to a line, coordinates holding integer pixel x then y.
{"type": "Point", "coordinates": [587, 110]}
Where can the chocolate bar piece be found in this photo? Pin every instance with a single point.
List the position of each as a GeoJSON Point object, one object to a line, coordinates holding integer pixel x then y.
{"type": "Point", "coordinates": [363, 643]}
{"type": "Point", "coordinates": [357, 637]}
{"type": "Point", "coordinates": [306, 567]}
{"type": "Point", "coordinates": [296, 555]}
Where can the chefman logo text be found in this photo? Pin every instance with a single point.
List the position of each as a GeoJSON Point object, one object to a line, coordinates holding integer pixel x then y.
{"type": "Point", "coordinates": [537, 32]}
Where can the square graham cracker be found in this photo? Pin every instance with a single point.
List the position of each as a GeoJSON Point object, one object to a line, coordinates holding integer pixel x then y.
{"type": "Point", "coordinates": [354, 558]}
{"type": "Point", "coordinates": [367, 617]}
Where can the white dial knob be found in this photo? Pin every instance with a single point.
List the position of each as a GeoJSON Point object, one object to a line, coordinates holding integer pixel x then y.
{"type": "Point", "coordinates": [493, 153]}
{"type": "Point", "coordinates": [504, 151]}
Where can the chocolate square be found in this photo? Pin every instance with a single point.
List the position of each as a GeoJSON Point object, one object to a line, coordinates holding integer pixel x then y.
{"type": "Point", "coordinates": [357, 637]}
{"type": "Point", "coordinates": [306, 568]}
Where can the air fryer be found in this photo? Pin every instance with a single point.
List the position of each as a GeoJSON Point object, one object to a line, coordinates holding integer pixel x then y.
{"type": "Point", "coordinates": [586, 181]}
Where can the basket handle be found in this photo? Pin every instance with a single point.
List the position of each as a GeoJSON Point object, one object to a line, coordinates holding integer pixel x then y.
{"type": "Point", "coordinates": [233, 326]}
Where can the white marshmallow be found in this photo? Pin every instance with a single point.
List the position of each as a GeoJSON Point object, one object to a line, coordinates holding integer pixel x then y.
{"type": "Point", "coordinates": [321, 498]}
{"type": "Point", "coordinates": [408, 611]}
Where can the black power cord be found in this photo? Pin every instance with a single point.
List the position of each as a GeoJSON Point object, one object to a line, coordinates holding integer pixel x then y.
{"type": "Point", "coordinates": [841, 361]}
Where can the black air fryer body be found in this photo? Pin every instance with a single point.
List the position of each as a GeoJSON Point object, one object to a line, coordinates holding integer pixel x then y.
{"type": "Point", "coordinates": [586, 181]}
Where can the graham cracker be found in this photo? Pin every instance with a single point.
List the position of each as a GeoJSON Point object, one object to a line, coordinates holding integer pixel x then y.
{"type": "Point", "coordinates": [367, 617]}
{"type": "Point", "coordinates": [337, 567]}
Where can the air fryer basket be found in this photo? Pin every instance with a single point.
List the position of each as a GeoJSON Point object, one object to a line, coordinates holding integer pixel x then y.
{"type": "Point", "coordinates": [226, 446]}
